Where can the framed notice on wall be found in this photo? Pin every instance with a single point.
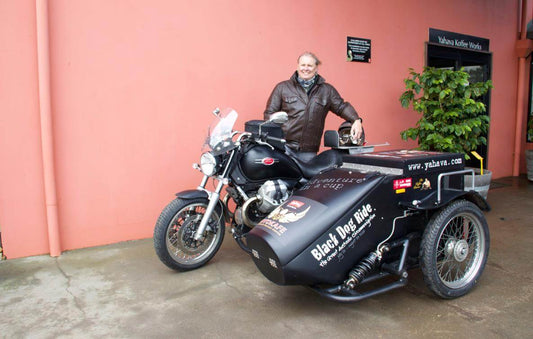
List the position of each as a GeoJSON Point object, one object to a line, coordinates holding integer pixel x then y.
{"type": "Point", "coordinates": [358, 49]}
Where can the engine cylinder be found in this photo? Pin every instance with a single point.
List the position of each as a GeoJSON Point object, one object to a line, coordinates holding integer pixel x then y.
{"type": "Point", "coordinates": [272, 194]}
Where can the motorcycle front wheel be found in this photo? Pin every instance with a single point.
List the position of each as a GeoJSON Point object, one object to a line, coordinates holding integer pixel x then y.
{"type": "Point", "coordinates": [174, 234]}
{"type": "Point", "coordinates": [454, 249]}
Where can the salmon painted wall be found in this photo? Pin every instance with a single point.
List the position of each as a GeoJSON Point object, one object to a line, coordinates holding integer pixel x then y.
{"type": "Point", "coordinates": [133, 84]}
{"type": "Point", "coordinates": [22, 208]}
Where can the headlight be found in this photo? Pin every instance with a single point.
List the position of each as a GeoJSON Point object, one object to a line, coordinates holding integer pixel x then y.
{"type": "Point", "coordinates": [208, 163]}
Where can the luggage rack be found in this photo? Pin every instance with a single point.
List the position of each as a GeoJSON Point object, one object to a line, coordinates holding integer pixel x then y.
{"type": "Point", "coordinates": [443, 194]}
{"type": "Point", "coordinates": [447, 174]}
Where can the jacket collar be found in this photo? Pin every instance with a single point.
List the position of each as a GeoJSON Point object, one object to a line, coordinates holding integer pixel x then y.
{"type": "Point", "coordinates": [319, 80]}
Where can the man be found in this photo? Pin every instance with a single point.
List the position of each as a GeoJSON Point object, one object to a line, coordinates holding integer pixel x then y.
{"type": "Point", "coordinates": [307, 99]}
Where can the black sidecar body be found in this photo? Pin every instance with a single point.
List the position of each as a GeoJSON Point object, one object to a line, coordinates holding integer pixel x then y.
{"type": "Point", "coordinates": [380, 214]}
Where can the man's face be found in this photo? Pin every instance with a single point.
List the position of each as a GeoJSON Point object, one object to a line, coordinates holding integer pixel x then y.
{"type": "Point", "coordinates": [307, 67]}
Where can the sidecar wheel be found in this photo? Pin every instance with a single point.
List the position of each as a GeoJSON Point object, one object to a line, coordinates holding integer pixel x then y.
{"type": "Point", "coordinates": [454, 249]}
{"type": "Point", "coordinates": [174, 231]}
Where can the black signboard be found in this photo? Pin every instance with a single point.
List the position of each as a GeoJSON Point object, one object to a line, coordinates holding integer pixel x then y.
{"type": "Point", "coordinates": [358, 49]}
{"type": "Point", "coordinates": [458, 40]}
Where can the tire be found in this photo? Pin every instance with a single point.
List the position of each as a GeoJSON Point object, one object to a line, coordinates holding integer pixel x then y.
{"type": "Point", "coordinates": [174, 231]}
{"type": "Point", "coordinates": [454, 249]}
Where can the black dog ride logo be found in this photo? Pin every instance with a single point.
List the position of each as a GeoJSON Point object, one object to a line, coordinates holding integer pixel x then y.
{"type": "Point", "coordinates": [343, 236]}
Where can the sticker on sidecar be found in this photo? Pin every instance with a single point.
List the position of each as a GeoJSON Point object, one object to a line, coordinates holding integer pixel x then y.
{"type": "Point", "coordinates": [285, 216]}
{"type": "Point", "coordinates": [343, 236]}
{"type": "Point", "coordinates": [290, 213]}
{"type": "Point", "coordinates": [422, 184]}
{"type": "Point", "coordinates": [402, 183]}
{"type": "Point", "coordinates": [334, 184]}
{"type": "Point", "coordinates": [428, 165]}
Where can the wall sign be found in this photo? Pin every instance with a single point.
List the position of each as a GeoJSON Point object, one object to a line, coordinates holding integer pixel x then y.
{"type": "Point", "coordinates": [358, 49]}
{"type": "Point", "coordinates": [458, 40]}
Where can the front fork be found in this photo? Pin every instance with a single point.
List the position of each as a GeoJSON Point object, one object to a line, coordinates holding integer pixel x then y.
{"type": "Point", "coordinates": [213, 196]}
{"type": "Point", "coordinates": [213, 201]}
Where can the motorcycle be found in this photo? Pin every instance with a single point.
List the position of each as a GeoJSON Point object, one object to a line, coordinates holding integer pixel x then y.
{"type": "Point", "coordinates": [258, 177]}
{"type": "Point", "coordinates": [340, 224]}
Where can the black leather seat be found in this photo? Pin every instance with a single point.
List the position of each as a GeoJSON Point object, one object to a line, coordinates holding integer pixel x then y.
{"type": "Point", "coordinates": [320, 163]}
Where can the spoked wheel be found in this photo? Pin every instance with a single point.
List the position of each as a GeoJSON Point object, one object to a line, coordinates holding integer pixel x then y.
{"type": "Point", "coordinates": [174, 232]}
{"type": "Point", "coordinates": [454, 249]}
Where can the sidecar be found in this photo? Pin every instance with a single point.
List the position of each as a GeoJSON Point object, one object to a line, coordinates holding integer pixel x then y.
{"type": "Point", "coordinates": [372, 220]}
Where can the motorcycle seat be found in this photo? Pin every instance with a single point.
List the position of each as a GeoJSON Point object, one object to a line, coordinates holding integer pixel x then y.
{"type": "Point", "coordinates": [323, 161]}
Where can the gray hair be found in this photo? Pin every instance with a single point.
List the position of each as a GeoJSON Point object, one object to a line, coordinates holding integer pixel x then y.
{"type": "Point", "coordinates": [309, 54]}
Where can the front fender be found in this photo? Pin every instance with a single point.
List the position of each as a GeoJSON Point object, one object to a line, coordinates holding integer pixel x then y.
{"type": "Point", "coordinates": [192, 194]}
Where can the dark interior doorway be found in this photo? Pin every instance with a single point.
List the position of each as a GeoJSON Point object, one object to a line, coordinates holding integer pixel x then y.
{"type": "Point", "coordinates": [477, 64]}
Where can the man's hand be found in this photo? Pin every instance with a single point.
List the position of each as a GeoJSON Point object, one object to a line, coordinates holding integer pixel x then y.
{"type": "Point", "coordinates": [357, 130]}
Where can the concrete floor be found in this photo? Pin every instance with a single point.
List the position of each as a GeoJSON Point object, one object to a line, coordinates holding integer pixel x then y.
{"type": "Point", "coordinates": [123, 291]}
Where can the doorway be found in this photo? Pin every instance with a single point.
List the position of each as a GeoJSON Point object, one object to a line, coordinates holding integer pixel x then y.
{"type": "Point", "coordinates": [477, 64]}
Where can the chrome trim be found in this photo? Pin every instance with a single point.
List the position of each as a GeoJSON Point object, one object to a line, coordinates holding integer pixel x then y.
{"type": "Point", "coordinates": [439, 186]}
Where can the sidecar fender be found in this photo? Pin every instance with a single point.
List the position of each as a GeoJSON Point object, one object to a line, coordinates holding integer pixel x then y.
{"type": "Point", "coordinates": [477, 199]}
{"type": "Point", "coordinates": [192, 194]}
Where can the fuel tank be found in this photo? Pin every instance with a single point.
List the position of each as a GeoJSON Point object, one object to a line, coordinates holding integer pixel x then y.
{"type": "Point", "coordinates": [261, 163]}
{"type": "Point", "coordinates": [325, 228]}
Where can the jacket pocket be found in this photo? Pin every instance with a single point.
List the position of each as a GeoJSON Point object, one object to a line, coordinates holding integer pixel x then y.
{"type": "Point", "coordinates": [290, 100]}
{"type": "Point", "coordinates": [321, 101]}
{"type": "Point", "coordinates": [292, 106]}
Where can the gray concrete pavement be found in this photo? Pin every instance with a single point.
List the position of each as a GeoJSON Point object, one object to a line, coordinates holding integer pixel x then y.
{"type": "Point", "coordinates": [123, 291]}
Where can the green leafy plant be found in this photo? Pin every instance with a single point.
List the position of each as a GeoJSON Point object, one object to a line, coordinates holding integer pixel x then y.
{"type": "Point", "coordinates": [453, 118]}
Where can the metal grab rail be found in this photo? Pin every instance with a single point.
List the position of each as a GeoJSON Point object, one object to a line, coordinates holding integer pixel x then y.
{"type": "Point", "coordinates": [450, 174]}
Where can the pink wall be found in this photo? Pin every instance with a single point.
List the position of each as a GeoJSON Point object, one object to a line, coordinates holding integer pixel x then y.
{"type": "Point", "coordinates": [133, 84]}
{"type": "Point", "coordinates": [22, 208]}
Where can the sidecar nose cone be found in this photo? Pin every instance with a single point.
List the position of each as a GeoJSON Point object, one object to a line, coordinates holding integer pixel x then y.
{"type": "Point", "coordinates": [265, 259]}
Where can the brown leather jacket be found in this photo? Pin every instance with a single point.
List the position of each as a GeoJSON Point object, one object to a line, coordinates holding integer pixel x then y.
{"type": "Point", "coordinates": [307, 112]}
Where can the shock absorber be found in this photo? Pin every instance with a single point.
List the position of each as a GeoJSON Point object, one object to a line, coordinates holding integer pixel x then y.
{"type": "Point", "coordinates": [367, 265]}
{"type": "Point", "coordinates": [372, 261]}
{"type": "Point", "coordinates": [359, 272]}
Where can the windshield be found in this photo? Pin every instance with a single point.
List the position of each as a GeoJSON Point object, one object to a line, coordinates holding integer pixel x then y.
{"type": "Point", "coordinates": [219, 133]}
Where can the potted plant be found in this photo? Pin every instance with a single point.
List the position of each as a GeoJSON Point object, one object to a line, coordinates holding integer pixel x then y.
{"type": "Point", "coordinates": [453, 115]}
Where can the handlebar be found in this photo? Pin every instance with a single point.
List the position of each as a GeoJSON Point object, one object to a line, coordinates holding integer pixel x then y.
{"type": "Point", "coordinates": [265, 139]}
{"type": "Point", "coordinates": [269, 138]}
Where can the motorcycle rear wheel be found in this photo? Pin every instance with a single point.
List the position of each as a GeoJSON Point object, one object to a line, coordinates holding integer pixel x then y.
{"type": "Point", "coordinates": [454, 249]}
{"type": "Point", "coordinates": [174, 231]}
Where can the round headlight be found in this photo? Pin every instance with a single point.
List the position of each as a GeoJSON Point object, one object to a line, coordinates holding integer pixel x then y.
{"type": "Point", "coordinates": [208, 163]}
